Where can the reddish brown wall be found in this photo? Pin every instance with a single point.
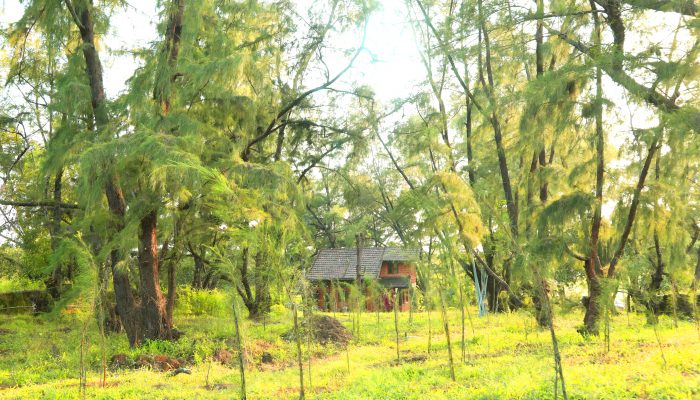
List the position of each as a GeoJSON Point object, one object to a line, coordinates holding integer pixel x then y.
{"type": "Point", "coordinates": [334, 297]}
{"type": "Point", "coordinates": [404, 269]}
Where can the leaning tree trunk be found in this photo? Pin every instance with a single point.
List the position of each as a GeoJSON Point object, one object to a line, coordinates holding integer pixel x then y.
{"type": "Point", "coordinates": [127, 306]}
{"type": "Point", "coordinates": [135, 323]}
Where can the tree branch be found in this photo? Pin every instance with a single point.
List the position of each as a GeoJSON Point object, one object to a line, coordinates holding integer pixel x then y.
{"type": "Point", "coordinates": [451, 61]}
{"type": "Point", "coordinates": [649, 95]}
{"type": "Point", "coordinates": [574, 254]}
{"type": "Point", "coordinates": [47, 204]}
{"type": "Point", "coordinates": [633, 207]}
{"type": "Point", "coordinates": [685, 7]}
{"type": "Point", "coordinates": [280, 115]}
{"type": "Point", "coordinates": [318, 159]}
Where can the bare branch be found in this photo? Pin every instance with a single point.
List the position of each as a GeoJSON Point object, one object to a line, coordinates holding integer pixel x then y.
{"type": "Point", "coordinates": [47, 204]}
{"type": "Point", "coordinates": [289, 107]}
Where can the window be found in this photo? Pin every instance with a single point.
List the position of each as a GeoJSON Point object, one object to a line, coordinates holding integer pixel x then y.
{"type": "Point", "coordinates": [392, 267]}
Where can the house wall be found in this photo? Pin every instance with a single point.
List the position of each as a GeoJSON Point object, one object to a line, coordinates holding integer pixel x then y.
{"type": "Point", "coordinates": [330, 297]}
{"type": "Point", "coordinates": [405, 269]}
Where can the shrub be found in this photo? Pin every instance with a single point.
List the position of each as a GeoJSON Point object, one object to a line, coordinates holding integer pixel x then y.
{"type": "Point", "coordinates": [214, 302]}
{"type": "Point", "coordinates": [17, 283]}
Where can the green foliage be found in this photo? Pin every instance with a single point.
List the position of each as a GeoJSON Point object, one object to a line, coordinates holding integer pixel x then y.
{"type": "Point", "coordinates": [213, 303]}
{"type": "Point", "coordinates": [14, 283]}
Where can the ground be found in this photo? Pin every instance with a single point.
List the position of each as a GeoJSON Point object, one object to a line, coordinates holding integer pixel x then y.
{"type": "Point", "coordinates": [506, 357]}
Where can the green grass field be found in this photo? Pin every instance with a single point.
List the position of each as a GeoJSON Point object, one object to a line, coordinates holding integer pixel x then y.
{"type": "Point", "coordinates": [507, 357]}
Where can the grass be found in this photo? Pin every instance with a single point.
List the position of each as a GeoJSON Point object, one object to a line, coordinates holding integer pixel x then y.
{"type": "Point", "coordinates": [507, 358]}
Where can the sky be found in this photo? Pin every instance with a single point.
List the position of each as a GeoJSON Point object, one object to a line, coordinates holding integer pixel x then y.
{"type": "Point", "coordinates": [396, 66]}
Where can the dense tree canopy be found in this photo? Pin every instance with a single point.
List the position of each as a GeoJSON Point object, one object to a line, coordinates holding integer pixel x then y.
{"type": "Point", "coordinates": [549, 144]}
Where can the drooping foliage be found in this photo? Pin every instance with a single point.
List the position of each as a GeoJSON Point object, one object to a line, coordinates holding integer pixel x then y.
{"type": "Point", "coordinates": [551, 145]}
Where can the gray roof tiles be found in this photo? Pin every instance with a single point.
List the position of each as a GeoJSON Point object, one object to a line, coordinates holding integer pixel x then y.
{"type": "Point", "coordinates": [400, 254]}
{"type": "Point", "coordinates": [341, 264]}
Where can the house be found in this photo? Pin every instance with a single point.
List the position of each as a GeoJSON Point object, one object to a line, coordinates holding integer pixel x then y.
{"type": "Point", "coordinates": [393, 269]}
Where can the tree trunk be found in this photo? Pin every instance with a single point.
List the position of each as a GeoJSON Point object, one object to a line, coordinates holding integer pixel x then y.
{"type": "Point", "coordinates": [239, 348]}
{"type": "Point", "coordinates": [593, 265]}
{"type": "Point", "coordinates": [511, 205]}
{"type": "Point", "coordinates": [55, 282]}
{"type": "Point", "coordinates": [591, 319]}
{"type": "Point", "coordinates": [198, 270]}
{"type": "Point", "coordinates": [172, 287]}
{"type": "Point", "coordinates": [153, 303]}
{"type": "Point", "coordinates": [470, 153]}
{"type": "Point", "coordinates": [697, 267]}
{"type": "Point", "coordinates": [263, 299]}
{"type": "Point", "coordinates": [300, 362]}
{"type": "Point", "coordinates": [258, 303]}
{"type": "Point", "coordinates": [127, 306]}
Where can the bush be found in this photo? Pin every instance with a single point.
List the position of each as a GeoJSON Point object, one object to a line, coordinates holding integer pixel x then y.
{"type": "Point", "coordinates": [214, 302]}
{"type": "Point", "coordinates": [19, 283]}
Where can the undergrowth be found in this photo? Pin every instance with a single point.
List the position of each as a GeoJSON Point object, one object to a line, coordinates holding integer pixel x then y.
{"type": "Point", "coordinates": [507, 356]}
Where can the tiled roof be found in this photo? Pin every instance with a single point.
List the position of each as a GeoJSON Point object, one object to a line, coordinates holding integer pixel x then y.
{"type": "Point", "coordinates": [341, 264]}
{"type": "Point", "coordinates": [400, 254]}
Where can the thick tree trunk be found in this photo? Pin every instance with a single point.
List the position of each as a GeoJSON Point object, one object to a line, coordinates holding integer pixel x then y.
{"type": "Point", "coordinates": [591, 319]}
{"type": "Point", "coordinates": [152, 301]}
{"type": "Point", "coordinates": [127, 307]}
{"type": "Point", "coordinates": [157, 319]}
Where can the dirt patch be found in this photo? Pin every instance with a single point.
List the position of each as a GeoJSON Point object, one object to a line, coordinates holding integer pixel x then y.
{"type": "Point", "coordinates": [411, 359]}
{"type": "Point", "coordinates": [529, 347]}
{"type": "Point", "coordinates": [324, 330]}
{"type": "Point", "coordinates": [286, 392]}
{"type": "Point", "coordinates": [223, 356]}
{"type": "Point", "coordinates": [417, 358]}
{"type": "Point", "coordinates": [99, 384]}
{"type": "Point", "coordinates": [161, 363]}
{"type": "Point", "coordinates": [221, 386]}
{"type": "Point", "coordinates": [4, 331]}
